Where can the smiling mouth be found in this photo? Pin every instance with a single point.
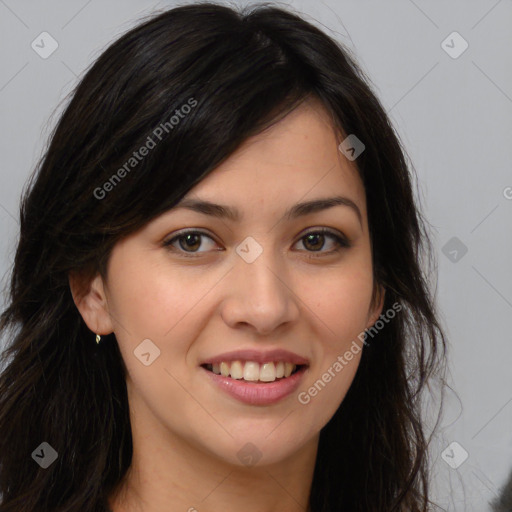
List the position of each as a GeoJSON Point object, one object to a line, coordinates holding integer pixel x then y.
{"type": "Point", "coordinates": [251, 371]}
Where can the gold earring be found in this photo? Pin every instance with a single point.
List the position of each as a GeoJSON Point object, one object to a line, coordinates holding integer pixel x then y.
{"type": "Point", "coordinates": [98, 338]}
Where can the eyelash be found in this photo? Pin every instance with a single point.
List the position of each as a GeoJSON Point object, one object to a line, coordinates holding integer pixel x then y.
{"type": "Point", "coordinates": [342, 242]}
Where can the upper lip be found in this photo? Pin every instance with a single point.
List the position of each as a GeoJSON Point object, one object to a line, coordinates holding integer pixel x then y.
{"type": "Point", "coordinates": [257, 356]}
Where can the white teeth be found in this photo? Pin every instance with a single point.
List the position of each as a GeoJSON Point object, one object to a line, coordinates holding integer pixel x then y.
{"type": "Point", "coordinates": [236, 370]}
{"type": "Point", "coordinates": [267, 372]}
{"type": "Point", "coordinates": [224, 369]}
{"type": "Point", "coordinates": [252, 371]}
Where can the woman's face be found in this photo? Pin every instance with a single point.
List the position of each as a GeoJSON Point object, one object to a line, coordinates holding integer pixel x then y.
{"type": "Point", "coordinates": [264, 287]}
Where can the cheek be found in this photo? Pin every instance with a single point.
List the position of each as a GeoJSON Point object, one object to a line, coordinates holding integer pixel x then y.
{"type": "Point", "coordinates": [339, 304]}
{"type": "Point", "coordinates": [325, 390]}
{"type": "Point", "coordinates": [339, 310]}
{"type": "Point", "coordinates": [159, 302]}
{"type": "Point", "coordinates": [153, 299]}
{"type": "Point", "coordinates": [340, 301]}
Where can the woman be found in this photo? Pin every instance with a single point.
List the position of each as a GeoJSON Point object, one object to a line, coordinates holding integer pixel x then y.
{"type": "Point", "coordinates": [217, 301]}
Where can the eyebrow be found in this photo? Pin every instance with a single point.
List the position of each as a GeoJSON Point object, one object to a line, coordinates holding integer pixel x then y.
{"type": "Point", "coordinates": [298, 210]}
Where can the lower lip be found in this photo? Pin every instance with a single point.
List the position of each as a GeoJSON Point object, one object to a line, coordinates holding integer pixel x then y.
{"type": "Point", "coordinates": [255, 393]}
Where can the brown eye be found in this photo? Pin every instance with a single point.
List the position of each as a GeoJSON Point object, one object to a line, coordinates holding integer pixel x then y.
{"type": "Point", "coordinates": [189, 242]}
{"type": "Point", "coordinates": [314, 241]}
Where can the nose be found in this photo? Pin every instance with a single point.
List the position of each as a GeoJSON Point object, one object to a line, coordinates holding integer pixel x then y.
{"type": "Point", "coordinates": [259, 295]}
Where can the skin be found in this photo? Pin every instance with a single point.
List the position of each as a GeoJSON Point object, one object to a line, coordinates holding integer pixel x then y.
{"type": "Point", "coordinates": [295, 295]}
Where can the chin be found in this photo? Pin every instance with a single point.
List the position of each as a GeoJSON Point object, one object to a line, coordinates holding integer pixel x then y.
{"type": "Point", "coordinates": [261, 447]}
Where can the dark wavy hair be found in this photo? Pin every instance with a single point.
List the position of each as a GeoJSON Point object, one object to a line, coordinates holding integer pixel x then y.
{"type": "Point", "coordinates": [246, 69]}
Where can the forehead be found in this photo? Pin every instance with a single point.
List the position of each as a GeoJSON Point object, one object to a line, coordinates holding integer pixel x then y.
{"type": "Point", "coordinates": [295, 159]}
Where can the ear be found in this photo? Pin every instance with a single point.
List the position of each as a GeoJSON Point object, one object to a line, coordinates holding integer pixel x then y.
{"type": "Point", "coordinates": [376, 306]}
{"type": "Point", "coordinates": [90, 299]}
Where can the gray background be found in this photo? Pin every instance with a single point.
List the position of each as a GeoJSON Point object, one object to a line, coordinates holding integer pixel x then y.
{"type": "Point", "coordinates": [454, 117]}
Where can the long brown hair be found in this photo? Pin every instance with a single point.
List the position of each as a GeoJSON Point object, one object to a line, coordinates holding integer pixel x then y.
{"type": "Point", "coordinates": [244, 70]}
